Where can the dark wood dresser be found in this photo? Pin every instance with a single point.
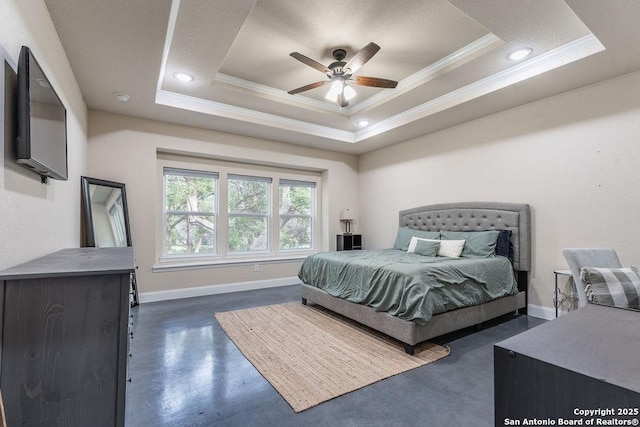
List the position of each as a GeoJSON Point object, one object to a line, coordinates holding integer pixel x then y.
{"type": "Point", "coordinates": [64, 326]}
{"type": "Point", "coordinates": [586, 360]}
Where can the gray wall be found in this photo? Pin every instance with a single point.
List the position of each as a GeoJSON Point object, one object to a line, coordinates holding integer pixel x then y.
{"type": "Point", "coordinates": [573, 157]}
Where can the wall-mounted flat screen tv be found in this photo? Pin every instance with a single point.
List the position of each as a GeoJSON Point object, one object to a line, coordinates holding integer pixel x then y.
{"type": "Point", "coordinates": [42, 121]}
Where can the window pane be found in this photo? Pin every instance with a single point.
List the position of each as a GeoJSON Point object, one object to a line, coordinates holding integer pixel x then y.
{"type": "Point", "coordinates": [190, 193]}
{"type": "Point", "coordinates": [295, 233]}
{"type": "Point", "coordinates": [190, 234]}
{"type": "Point", "coordinates": [246, 196]}
{"type": "Point", "coordinates": [248, 233]}
{"type": "Point", "coordinates": [295, 200]}
{"type": "Point", "coordinates": [296, 215]}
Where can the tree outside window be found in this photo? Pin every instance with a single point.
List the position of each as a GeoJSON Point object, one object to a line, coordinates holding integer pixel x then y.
{"type": "Point", "coordinates": [296, 208]}
{"type": "Point", "coordinates": [192, 221]}
{"type": "Point", "coordinates": [249, 213]}
{"type": "Point", "coordinates": [190, 211]}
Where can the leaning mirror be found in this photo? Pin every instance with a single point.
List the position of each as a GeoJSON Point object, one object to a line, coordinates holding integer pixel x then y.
{"type": "Point", "coordinates": [104, 213]}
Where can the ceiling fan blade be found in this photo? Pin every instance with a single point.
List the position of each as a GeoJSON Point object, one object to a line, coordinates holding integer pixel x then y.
{"type": "Point", "coordinates": [374, 81]}
{"type": "Point", "coordinates": [308, 87]}
{"type": "Point", "coordinates": [363, 55]}
{"type": "Point", "coordinates": [310, 62]}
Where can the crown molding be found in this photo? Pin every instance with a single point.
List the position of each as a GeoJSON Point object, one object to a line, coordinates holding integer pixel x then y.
{"type": "Point", "coordinates": [570, 52]}
{"type": "Point", "coordinates": [191, 103]}
{"type": "Point", "coordinates": [171, 28]}
{"type": "Point", "coordinates": [277, 94]}
{"type": "Point", "coordinates": [450, 62]}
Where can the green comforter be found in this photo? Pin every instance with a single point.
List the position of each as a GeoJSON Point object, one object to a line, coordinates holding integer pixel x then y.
{"type": "Point", "coordinates": [412, 287]}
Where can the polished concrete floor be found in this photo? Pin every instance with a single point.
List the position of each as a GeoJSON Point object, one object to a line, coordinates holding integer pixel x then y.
{"type": "Point", "coordinates": [186, 372]}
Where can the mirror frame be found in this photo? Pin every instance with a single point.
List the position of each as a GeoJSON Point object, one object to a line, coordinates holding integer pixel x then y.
{"type": "Point", "coordinates": [88, 236]}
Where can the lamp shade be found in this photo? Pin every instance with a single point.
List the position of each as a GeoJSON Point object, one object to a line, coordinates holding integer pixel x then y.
{"type": "Point", "coordinates": [335, 90]}
{"type": "Point", "coordinates": [346, 215]}
{"type": "Point", "coordinates": [339, 87]}
{"type": "Point", "coordinates": [349, 93]}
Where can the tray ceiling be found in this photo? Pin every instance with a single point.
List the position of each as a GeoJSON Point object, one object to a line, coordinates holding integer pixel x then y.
{"type": "Point", "coordinates": [449, 57]}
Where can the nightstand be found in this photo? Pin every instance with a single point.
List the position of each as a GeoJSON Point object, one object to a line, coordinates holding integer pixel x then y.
{"type": "Point", "coordinates": [348, 242]}
{"type": "Point", "coordinates": [560, 299]}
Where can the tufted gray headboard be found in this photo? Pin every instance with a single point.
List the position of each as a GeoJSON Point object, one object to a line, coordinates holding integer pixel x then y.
{"type": "Point", "coordinates": [477, 216]}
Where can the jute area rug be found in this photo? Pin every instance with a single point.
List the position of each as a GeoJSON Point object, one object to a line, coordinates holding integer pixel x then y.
{"type": "Point", "coordinates": [310, 355]}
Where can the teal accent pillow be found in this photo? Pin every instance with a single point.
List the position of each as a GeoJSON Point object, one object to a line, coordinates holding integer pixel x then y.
{"type": "Point", "coordinates": [404, 235]}
{"type": "Point", "coordinates": [479, 244]}
{"type": "Point", "coordinates": [427, 248]}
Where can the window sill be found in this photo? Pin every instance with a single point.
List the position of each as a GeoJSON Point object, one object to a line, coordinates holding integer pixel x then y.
{"type": "Point", "coordinates": [192, 264]}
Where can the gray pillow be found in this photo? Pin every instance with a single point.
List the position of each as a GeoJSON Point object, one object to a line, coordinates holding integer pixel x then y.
{"type": "Point", "coordinates": [404, 235]}
{"type": "Point", "coordinates": [619, 287]}
{"type": "Point", "coordinates": [479, 244]}
{"type": "Point", "coordinates": [504, 247]}
{"type": "Point", "coordinates": [427, 248]}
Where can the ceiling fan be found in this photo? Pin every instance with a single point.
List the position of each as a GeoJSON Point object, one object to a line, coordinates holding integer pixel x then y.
{"type": "Point", "coordinates": [341, 72]}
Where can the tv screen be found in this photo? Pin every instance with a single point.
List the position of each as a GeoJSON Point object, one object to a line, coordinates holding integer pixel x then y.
{"type": "Point", "coordinates": [42, 121]}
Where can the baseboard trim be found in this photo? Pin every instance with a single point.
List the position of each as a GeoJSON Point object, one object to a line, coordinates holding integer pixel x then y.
{"type": "Point", "coordinates": [541, 311]}
{"type": "Point", "coordinates": [145, 297]}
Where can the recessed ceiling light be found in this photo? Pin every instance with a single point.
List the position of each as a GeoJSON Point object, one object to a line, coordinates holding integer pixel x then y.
{"type": "Point", "coordinates": [183, 77]}
{"type": "Point", "coordinates": [519, 54]}
{"type": "Point", "coordinates": [363, 123]}
{"type": "Point", "coordinates": [122, 96]}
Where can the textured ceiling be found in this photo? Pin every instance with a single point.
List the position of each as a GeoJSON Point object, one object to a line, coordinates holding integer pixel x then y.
{"type": "Point", "coordinates": [448, 56]}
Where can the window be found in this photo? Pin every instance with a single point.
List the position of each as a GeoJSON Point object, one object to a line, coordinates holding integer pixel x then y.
{"type": "Point", "coordinates": [189, 211]}
{"type": "Point", "coordinates": [218, 212]}
{"type": "Point", "coordinates": [249, 213]}
{"type": "Point", "coordinates": [296, 209]}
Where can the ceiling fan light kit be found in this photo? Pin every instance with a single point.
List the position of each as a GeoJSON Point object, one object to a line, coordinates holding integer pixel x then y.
{"type": "Point", "coordinates": [348, 92]}
{"type": "Point", "coordinates": [340, 72]}
{"type": "Point", "coordinates": [339, 87]}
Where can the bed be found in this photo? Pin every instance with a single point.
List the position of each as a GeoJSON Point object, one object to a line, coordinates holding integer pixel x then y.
{"type": "Point", "coordinates": [404, 324]}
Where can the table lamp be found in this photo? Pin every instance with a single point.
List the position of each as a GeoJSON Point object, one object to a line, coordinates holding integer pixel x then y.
{"type": "Point", "coordinates": [346, 216]}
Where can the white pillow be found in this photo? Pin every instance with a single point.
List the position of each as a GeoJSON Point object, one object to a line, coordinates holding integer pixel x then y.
{"type": "Point", "coordinates": [448, 248]}
{"type": "Point", "coordinates": [451, 248]}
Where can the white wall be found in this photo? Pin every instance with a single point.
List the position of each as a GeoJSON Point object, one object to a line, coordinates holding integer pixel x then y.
{"type": "Point", "coordinates": [124, 149]}
{"type": "Point", "coordinates": [37, 219]}
{"type": "Point", "coordinates": [572, 157]}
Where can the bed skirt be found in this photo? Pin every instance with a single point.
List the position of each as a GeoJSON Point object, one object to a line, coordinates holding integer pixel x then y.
{"type": "Point", "coordinates": [408, 332]}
